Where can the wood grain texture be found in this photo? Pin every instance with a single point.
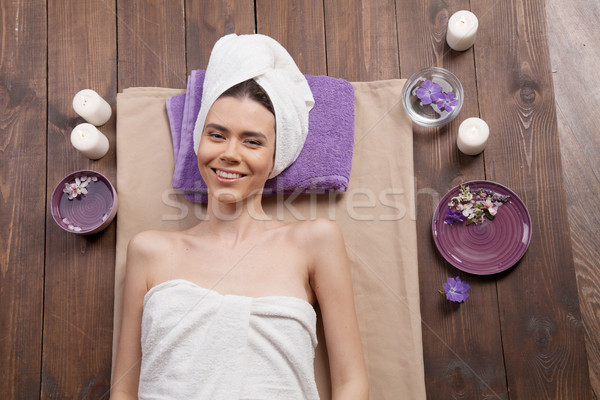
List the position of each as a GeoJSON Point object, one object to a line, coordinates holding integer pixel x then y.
{"type": "Point", "coordinates": [574, 60]}
{"type": "Point", "coordinates": [79, 272]}
{"type": "Point", "coordinates": [151, 43]}
{"type": "Point", "coordinates": [574, 56]}
{"type": "Point", "coordinates": [303, 38]}
{"type": "Point", "coordinates": [207, 21]}
{"type": "Point", "coordinates": [462, 347]}
{"type": "Point", "coordinates": [540, 320]}
{"type": "Point", "coordinates": [22, 194]}
{"type": "Point", "coordinates": [584, 220]}
{"type": "Point", "coordinates": [361, 41]}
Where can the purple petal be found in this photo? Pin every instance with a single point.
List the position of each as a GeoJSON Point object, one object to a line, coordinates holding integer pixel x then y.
{"type": "Point", "coordinates": [436, 88]}
{"type": "Point", "coordinates": [461, 286]}
{"type": "Point", "coordinates": [427, 84]}
{"type": "Point", "coordinates": [421, 93]}
{"type": "Point", "coordinates": [448, 108]}
{"type": "Point", "coordinates": [457, 297]}
{"type": "Point", "coordinates": [456, 290]}
{"type": "Point", "coordinates": [450, 95]}
{"type": "Point", "coordinates": [426, 100]}
{"type": "Point", "coordinates": [437, 96]}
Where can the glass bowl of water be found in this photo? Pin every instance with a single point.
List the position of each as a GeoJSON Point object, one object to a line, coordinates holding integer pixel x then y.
{"type": "Point", "coordinates": [432, 96]}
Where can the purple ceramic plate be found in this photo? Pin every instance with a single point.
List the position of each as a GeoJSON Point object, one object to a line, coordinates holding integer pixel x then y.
{"type": "Point", "coordinates": [487, 248]}
{"type": "Point", "coordinates": [88, 213]}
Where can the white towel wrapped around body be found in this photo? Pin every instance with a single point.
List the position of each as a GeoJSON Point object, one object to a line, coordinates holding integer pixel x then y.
{"type": "Point", "coordinates": [199, 344]}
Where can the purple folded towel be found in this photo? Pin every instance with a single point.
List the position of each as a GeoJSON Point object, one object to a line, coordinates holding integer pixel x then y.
{"type": "Point", "coordinates": [323, 165]}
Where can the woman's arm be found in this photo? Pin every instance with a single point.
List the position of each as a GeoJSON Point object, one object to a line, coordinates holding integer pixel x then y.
{"type": "Point", "coordinates": [129, 354]}
{"type": "Point", "coordinates": [332, 284]}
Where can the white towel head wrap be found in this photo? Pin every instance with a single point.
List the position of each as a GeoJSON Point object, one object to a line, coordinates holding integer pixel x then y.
{"type": "Point", "coordinates": [235, 59]}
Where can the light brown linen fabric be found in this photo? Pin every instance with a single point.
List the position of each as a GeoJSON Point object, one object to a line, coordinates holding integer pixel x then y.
{"type": "Point", "coordinates": [376, 216]}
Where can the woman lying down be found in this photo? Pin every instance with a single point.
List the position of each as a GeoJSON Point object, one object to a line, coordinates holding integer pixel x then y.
{"type": "Point", "coordinates": [224, 310]}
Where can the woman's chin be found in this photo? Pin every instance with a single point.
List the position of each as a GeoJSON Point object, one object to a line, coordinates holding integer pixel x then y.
{"type": "Point", "coordinates": [231, 196]}
{"type": "Point", "coordinates": [227, 196]}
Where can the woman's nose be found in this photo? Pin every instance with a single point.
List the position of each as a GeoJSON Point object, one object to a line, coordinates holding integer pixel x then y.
{"type": "Point", "coordinates": [231, 152]}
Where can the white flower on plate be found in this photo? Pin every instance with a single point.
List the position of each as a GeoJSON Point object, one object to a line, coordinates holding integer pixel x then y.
{"type": "Point", "coordinates": [467, 210]}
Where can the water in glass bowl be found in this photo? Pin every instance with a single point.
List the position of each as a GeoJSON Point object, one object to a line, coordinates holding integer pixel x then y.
{"type": "Point", "coordinates": [441, 97]}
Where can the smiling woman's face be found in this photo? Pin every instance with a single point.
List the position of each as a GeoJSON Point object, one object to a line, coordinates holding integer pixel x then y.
{"type": "Point", "coordinates": [237, 148]}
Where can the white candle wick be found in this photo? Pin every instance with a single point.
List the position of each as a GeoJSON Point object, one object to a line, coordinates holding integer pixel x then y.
{"type": "Point", "coordinates": [472, 137]}
{"type": "Point", "coordinates": [89, 140]}
{"type": "Point", "coordinates": [93, 108]}
{"type": "Point", "coordinates": [462, 30]}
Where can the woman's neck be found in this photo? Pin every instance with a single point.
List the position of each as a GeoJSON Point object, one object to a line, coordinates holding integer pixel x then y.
{"type": "Point", "coordinates": [235, 222]}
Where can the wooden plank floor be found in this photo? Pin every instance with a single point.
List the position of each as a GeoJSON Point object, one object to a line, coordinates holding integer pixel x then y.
{"type": "Point", "coordinates": [575, 59]}
{"type": "Point", "coordinates": [519, 336]}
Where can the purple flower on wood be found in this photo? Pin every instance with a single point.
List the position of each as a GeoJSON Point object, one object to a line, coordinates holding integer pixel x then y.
{"type": "Point", "coordinates": [454, 216]}
{"type": "Point", "coordinates": [447, 101]}
{"type": "Point", "coordinates": [456, 290]}
{"type": "Point", "coordinates": [429, 92]}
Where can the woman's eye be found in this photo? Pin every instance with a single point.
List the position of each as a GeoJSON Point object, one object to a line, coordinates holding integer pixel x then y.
{"type": "Point", "coordinates": [215, 135]}
{"type": "Point", "coordinates": [254, 142]}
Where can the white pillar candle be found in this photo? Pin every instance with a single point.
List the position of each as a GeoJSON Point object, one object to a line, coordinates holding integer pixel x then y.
{"type": "Point", "coordinates": [93, 108]}
{"type": "Point", "coordinates": [473, 134]}
{"type": "Point", "coordinates": [90, 141]}
{"type": "Point", "coordinates": [462, 29]}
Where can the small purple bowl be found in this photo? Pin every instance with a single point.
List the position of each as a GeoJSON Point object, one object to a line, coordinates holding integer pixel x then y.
{"type": "Point", "coordinates": [85, 213]}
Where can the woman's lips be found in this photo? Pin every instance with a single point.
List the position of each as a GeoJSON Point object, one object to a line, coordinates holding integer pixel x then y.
{"type": "Point", "coordinates": [227, 176]}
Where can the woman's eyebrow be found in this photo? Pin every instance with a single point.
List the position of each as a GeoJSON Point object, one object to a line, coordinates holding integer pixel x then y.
{"type": "Point", "coordinates": [216, 126]}
{"type": "Point", "coordinates": [254, 134]}
{"type": "Point", "coordinates": [221, 128]}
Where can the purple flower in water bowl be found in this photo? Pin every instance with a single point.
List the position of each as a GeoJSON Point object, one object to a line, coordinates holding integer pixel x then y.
{"type": "Point", "coordinates": [456, 290]}
{"type": "Point", "coordinates": [429, 92]}
{"type": "Point", "coordinates": [447, 101]}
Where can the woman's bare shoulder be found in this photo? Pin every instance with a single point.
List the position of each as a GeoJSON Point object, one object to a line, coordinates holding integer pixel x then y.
{"type": "Point", "coordinates": [318, 228]}
{"type": "Point", "coordinates": [147, 254]}
{"type": "Point", "coordinates": [317, 233]}
{"type": "Point", "coordinates": [152, 242]}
